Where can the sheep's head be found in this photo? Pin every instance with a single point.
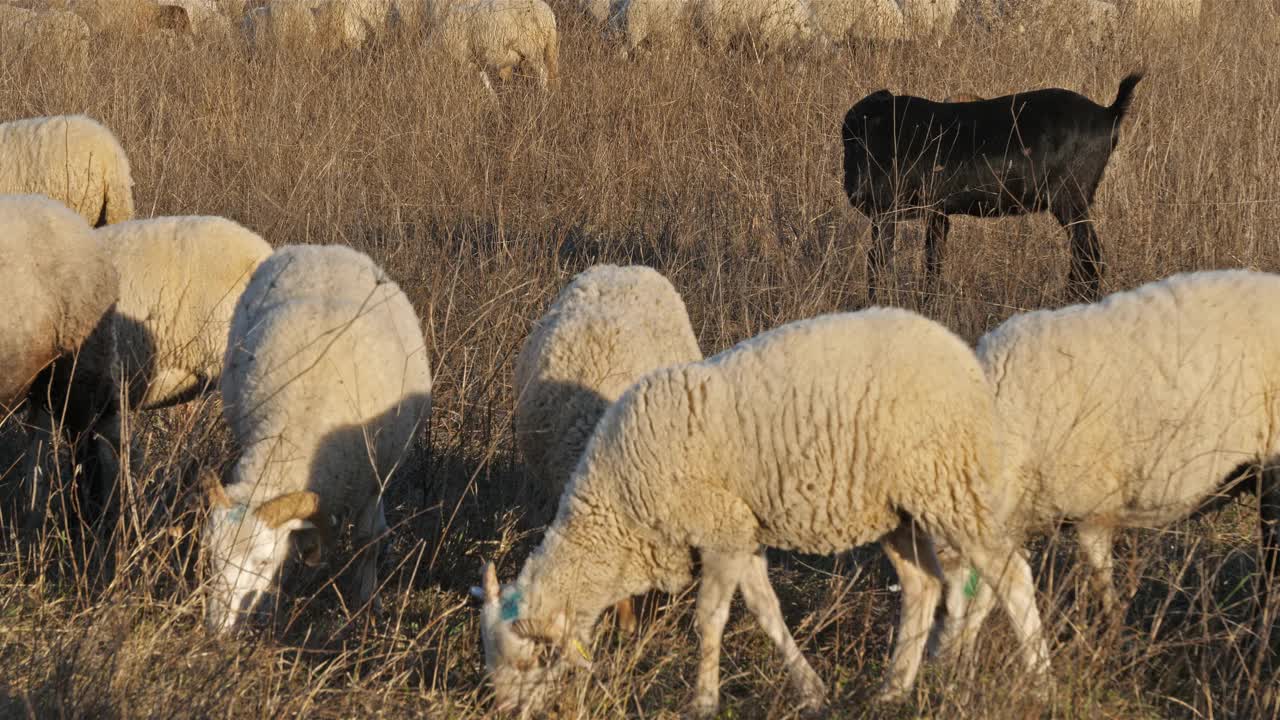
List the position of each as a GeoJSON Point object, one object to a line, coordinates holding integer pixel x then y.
{"type": "Point", "coordinates": [525, 657]}
{"type": "Point", "coordinates": [245, 548]}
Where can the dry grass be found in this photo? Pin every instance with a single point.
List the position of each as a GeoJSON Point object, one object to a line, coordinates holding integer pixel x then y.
{"type": "Point", "coordinates": [721, 172]}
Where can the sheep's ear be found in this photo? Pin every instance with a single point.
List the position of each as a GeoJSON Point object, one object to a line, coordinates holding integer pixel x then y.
{"type": "Point", "coordinates": [172, 17]}
{"type": "Point", "coordinates": [489, 583]}
{"type": "Point", "coordinates": [303, 505]}
{"type": "Point", "coordinates": [212, 486]}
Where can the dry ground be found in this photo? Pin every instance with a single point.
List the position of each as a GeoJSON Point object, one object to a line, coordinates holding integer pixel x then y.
{"type": "Point", "coordinates": [722, 172]}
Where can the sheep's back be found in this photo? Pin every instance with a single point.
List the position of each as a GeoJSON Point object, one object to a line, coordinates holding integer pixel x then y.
{"type": "Point", "coordinates": [1138, 406]}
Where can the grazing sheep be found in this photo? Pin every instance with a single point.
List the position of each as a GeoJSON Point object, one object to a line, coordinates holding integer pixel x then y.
{"type": "Point", "coordinates": [1137, 411]}
{"type": "Point", "coordinates": [1044, 150]}
{"type": "Point", "coordinates": [324, 386]}
{"type": "Point", "coordinates": [69, 158]}
{"type": "Point", "coordinates": [45, 33]}
{"type": "Point", "coordinates": [862, 19]}
{"type": "Point", "coordinates": [180, 278]}
{"type": "Point", "coordinates": [817, 436]}
{"type": "Point", "coordinates": [57, 348]}
{"type": "Point", "coordinates": [767, 26]}
{"type": "Point", "coordinates": [327, 25]}
{"type": "Point", "coordinates": [651, 22]}
{"type": "Point", "coordinates": [929, 19]}
{"type": "Point", "coordinates": [605, 330]}
{"type": "Point", "coordinates": [498, 36]}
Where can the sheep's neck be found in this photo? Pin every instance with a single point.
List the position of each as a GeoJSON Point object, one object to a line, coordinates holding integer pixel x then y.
{"type": "Point", "coordinates": [579, 569]}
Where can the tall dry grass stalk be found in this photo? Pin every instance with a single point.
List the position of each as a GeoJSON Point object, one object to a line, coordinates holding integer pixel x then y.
{"type": "Point", "coordinates": [722, 172]}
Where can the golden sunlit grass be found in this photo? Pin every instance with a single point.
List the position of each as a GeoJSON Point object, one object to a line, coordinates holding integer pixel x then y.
{"type": "Point", "coordinates": [723, 173]}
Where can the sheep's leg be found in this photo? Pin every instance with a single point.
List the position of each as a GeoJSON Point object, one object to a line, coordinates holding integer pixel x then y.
{"type": "Point", "coordinates": [1085, 279]}
{"type": "Point", "coordinates": [1010, 578]}
{"type": "Point", "coordinates": [968, 602]}
{"type": "Point", "coordinates": [370, 527]}
{"type": "Point", "coordinates": [761, 600]}
{"type": "Point", "coordinates": [488, 85]}
{"type": "Point", "coordinates": [1095, 544]}
{"type": "Point", "coordinates": [880, 256]}
{"type": "Point", "coordinates": [625, 612]}
{"type": "Point", "coordinates": [911, 552]}
{"type": "Point", "coordinates": [935, 245]}
{"type": "Point", "coordinates": [720, 575]}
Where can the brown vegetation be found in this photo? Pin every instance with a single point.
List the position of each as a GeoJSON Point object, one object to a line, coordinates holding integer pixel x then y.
{"type": "Point", "coordinates": [723, 173]}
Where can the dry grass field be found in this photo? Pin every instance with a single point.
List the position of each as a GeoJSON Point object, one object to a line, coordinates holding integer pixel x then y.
{"type": "Point", "coordinates": [723, 173]}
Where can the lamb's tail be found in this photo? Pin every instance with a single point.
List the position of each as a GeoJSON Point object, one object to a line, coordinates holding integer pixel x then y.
{"type": "Point", "coordinates": [551, 58]}
{"type": "Point", "coordinates": [1124, 96]}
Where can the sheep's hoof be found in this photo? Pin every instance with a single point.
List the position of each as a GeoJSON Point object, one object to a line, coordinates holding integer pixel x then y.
{"type": "Point", "coordinates": [891, 693]}
{"type": "Point", "coordinates": [813, 692]}
{"type": "Point", "coordinates": [703, 706]}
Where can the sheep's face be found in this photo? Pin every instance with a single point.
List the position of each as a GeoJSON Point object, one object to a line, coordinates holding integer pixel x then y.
{"type": "Point", "coordinates": [245, 549]}
{"type": "Point", "coordinates": [525, 658]}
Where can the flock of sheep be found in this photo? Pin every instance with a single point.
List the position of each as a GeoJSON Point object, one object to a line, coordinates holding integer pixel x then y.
{"type": "Point", "coordinates": [817, 436]}
{"type": "Point", "coordinates": [500, 37]}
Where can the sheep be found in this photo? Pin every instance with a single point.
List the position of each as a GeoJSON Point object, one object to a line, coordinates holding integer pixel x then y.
{"type": "Point", "coordinates": [57, 348]}
{"type": "Point", "coordinates": [59, 32]}
{"type": "Point", "coordinates": [182, 17]}
{"type": "Point", "coordinates": [605, 330]}
{"type": "Point", "coordinates": [867, 19]}
{"type": "Point", "coordinates": [324, 387]}
{"type": "Point", "coordinates": [180, 278]}
{"type": "Point", "coordinates": [1044, 150]}
{"type": "Point", "coordinates": [69, 158]}
{"type": "Point", "coordinates": [768, 26]}
{"type": "Point", "coordinates": [816, 436]}
{"type": "Point", "coordinates": [1136, 411]}
{"type": "Point", "coordinates": [498, 36]}
{"type": "Point", "coordinates": [329, 25]}
{"type": "Point", "coordinates": [929, 19]}
{"type": "Point", "coordinates": [650, 22]}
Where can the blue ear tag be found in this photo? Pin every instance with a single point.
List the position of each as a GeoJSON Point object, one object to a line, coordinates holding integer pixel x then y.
{"type": "Point", "coordinates": [511, 606]}
{"type": "Point", "coordinates": [236, 513]}
{"type": "Point", "coordinates": [971, 585]}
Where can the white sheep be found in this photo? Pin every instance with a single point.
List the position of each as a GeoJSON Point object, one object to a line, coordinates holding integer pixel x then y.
{"type": "Point", "coordinates": [929, 19]}
{"type": "Point", "coordinates": [57, 33]}
{"type": "Point", "coordinates": [860, 19]}
{"type": "Point", "coordinates": [325, 385]}
{"type": "Point", "coordinates": [651, 22]}
{"type": "Point", "coordinates": [498, 36]}
{"type": "Point", "coordinates": [1133, 412]}
{"type": "Point", "coordinates": [330, 24]}
{"type": "Point", "coordinates": [768, 26]}
{"type": "Point", "coordinates": [605, 330]}
{"type": "Point", "coordinates": [69, 158]}
{"type": "Point", "coordinates": [817, 436]}
{"type": "Point", "coordinates": [57, 348]}
{"type": "Point", "coordinates": [180, 278]}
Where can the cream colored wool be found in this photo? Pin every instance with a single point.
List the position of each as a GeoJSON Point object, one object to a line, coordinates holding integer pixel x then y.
{"type": "Point", "coordinates": [61, 290]}
{"type": "Point", "coordinates": [499, 36]}
{"type": "Point", "coordinates": [60, 36]}
{"type": "Point", "coordinates": [325, 25]}
{"type": "Point", "coordinates": [860, 19]}
{"type": "Point", "coordinates": [180, 278]}
{"type": "Point", "coordinates": [652, 22]}
{"type": "Point", "coordinates": [325, 385]}
{"type": "Point", "coordinates": [769, 25]}
{"type": "Point", "coordinates": [71, 159]}
{"type": "Point", "coordinates": [818, 436]}
{"type": "Point", "coordinates": [929, 19]}
{"type": "Point", "coordinates": [605, 330]}
{"type": "Point", "coordinates": [1130, 412]}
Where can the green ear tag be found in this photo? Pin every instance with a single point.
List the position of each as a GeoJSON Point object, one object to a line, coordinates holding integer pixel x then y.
{"type": "Point", "coordinates": [511, 606]}
{"type": "Point", "coordinates": [236, 513]}
{"type": "Point", "coordinates": [971, 585]}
